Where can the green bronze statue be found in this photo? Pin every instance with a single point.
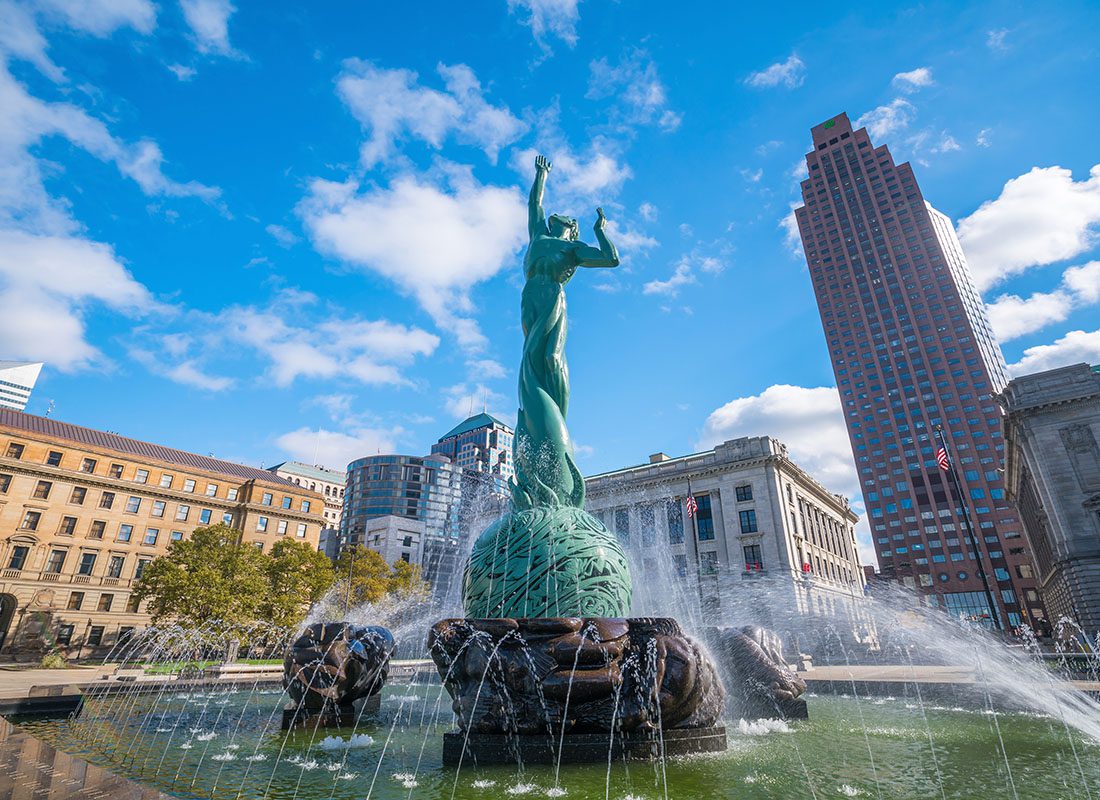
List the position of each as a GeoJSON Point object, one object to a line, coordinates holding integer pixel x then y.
{"type": "Point", "coordinates": [548, 558]}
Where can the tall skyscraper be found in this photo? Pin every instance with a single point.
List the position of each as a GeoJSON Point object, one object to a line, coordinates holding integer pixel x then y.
{"type": "Point", "coordinates": [912, 349]}
{"type": "Point", "coordinates": [482, 443]}
{"type": "Point", "coordinates": [17, 380]}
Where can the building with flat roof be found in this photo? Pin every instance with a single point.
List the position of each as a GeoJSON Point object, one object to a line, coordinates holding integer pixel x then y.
{"type": "Point", "coordinates": [912, 349]}
{"type": "Point", "coordinates": [1052, 466]}
{"type": "Point", "coordinates": [326, 482]}
{"type": "Point", "coordinates": [759, 528]}
{"type": "Point", "coordinates": [482, 443]}
{"type": "Point", "coordinates": [17, 380]}
{"type": "Point", "coordinates": [82, 512]}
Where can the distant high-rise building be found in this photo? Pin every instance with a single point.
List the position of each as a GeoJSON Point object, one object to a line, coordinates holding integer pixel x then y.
{"type": "Point", "coordinates": [17, 380]}
{"type": "Point", "coordinates": [324, 481]}
{"type": "Point", "coordinates": [912, 349]}
{"type": "Point", "coordinates": [481, 442]}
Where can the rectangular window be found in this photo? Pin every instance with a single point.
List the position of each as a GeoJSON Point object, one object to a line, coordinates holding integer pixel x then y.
{"type": "Point", "coordinates": [189, 485]}
{"type": "Point", "coordinates": [282, 526]}
{"type": "Point", "coordinates": [708, 563]}
{"type": "Point", "coordinates": [754, 559]}
{"type": "Point", "coordinates": [1008, 596]}
{"type": "Point", "coordinates": [266, 499]}
{"type": "Point", "coordinates": [181, 512]}
{"type": "Point", "coordinates": [231, 494]}
{"type": "Point", "coordinates": [31, 520]}
{"type": "Point", "coordinates": [125, 532]}
{"type": "Point", "coordinates": [286, 502]}
{"type": "Point", "coordinates": [42, 490]}
{"type": "Point", "coordinates": [105, 601]}
{"type": "Point", "coordinates": [301, 530]}
{"type": "Point", "coordinates": [139, 570]}
{"type": "Point", "coordinates": [748, 521]}
{"type": "Point", "coordinates": [305, 506]}
{"type": "Point", "coordinates": [227, 519]}
{"type": "Point", "coordinates": [76, 600]}
{"type": "Point", "coordinates": [704, 518]}
{"type": "Point", "coordinates": [115, 565]}
{"type": "Point", "coordinates": [14, 450]}
{"type": "Point", "coordinates": [78, 495]}
{"type": "Point", "coordinates": [177, 536]}
{"type": "Point", "coordinates": [107, 499]}
{"type": "Point", "coordinates": [132, 605]}
{"type": "Point", "coordinates": [53, 458]}
{"type": "Point", "coordinates": [674, 513]}
{"type": "Point", "coordinates": [622, 524]}
{"type": "Point", "coordinates": [743, 493]}
{"type": "Point", "coordinates": [211, 490]}
{"type": "Point", "coordinates": [158, 508]}
{"type": "Point", "coordinates": [97, 530]}
{"type": "Point", "coordinates": [133, 504]}
{"type": "Point", "coordinates": [151, 535]}
{"type": "Point", "coordinates": [115, 471]}
{"type": "Point", "coordinates": [67, 527]}
{"type": "Point", "coordinates": [18, 556]}
{"type": "Point", "coordinates": [5, 483]}
{"type": "Point", "coordinates": [88, 465]}
{"type": "Point", "coordinates": [95, 636]}
{"type": "Point", "coordinates": [65, 634]}
{"type": "Point", "coordinates": [261, 524]}
{"type": "Point", "coordinates": [87, 563]}
{"type": "Point", "coordinates": [204, 516]}
{"type": "Point", "coordinates": [56, 561]}
{"type": "Point", "coordinates": [141, 476]}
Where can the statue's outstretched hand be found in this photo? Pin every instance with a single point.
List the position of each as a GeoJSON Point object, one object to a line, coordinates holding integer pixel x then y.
{"type": "Point", "coordinates": [542, 164]}
{"type": "Point", "coordinates": [601, 220]}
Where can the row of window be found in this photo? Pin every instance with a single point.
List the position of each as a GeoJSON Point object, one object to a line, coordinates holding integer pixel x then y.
{"type": "Point", "coordinates": [55, 563]}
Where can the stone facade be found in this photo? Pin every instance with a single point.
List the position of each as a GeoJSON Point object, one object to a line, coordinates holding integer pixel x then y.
{"type": "Point", "coordinates": [327, 482]}
{"type": "Point", "coordinates": [1052, 425]}
{"type": "Point", "coordinates": [83, 511]}
{"type": "Point", "coordinates": [762, 523]}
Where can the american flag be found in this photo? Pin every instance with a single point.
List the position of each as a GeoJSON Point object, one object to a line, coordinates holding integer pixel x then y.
{"type": "Point", "coordinates": [692, 506]}
{"type": "Point", "coordinates": [942, 459]}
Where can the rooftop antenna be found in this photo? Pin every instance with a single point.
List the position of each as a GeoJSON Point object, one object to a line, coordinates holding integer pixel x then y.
{"type": "Point", "coordinates": [49, 408]}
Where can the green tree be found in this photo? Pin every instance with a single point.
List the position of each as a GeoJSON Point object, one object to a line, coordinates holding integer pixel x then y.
{"type": "Point", "coordinates": [367, 575]}
{"type": "Point", "coordinates": [298, 576]}
{"type": "Point", "coordinates": [210, 576]}
{"type": "Point", "coordinates": [406, 579]}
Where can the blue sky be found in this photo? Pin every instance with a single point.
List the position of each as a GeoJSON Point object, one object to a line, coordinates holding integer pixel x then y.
{"type": "Point", "coordinates": [268, 232]}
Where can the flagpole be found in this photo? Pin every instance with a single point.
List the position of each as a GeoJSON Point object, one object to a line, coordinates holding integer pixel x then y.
{"type": "Point", "coordinates": [692, 515]}
{"type": "Point", "coordinates": [978, 550]}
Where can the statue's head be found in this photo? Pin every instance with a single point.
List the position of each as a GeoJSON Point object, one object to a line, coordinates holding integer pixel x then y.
{"type": "Point", "coordinates": [562, 227]}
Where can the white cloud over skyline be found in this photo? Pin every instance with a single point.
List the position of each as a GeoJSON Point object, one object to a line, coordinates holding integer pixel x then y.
{"type": "Point", "coordinates": [790, 74]}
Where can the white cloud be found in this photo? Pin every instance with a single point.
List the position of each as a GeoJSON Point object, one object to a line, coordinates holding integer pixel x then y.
{"type": "Point", "coordinates": [635, 86]}
{"type": "Point", "coordinates": [336, 449]}
{"type": "Point", "coordinates": [434, 242]}
{"type": "Point", "coordinates": [182, 72]}
{"type": "Point", "coordinates": [628, 240]}
{"type": "Point", "coordinates": [1012, 316]}
{"type": "Point", "coordinates": [1073, 348]}
{"type": "Point", "coordinates": [549, 17]}
{"type": "Point", "coordinates": [767, 147]}
{"type": "Point", "coordinates": [465, 399]}
{"type": "Point", "coordinates": [282, 235]}
{"type": "Point", "coordinates": [791, 237]}
{"type": "Point", "coordinates": [390, 104]}
{"type": "Point", "coordinates": [648, 212]}
{"type": "Point", "coordinates": [947, 144]}
{"type": "Point", "coordinates": [982, 139]}
{"type": "Point", "coordinates": [1039, 218]}
{"type": "Point", "coordinates": [209, 22]}
{"type": "Point", "coordinates": [753, 175]}
{"type": "Point", "coordinates": [579, 181]}
{"type": "Point", "coordinates": [808, 420]}
{"type": "Point", "coordinates": [889, 119]}
{"type": "Point", "coordinates": [681, 276]}
{"type": "Point", "coordinates": [20, 37]}
{"type": "Point", "coordinates": [914, 79]}
{"type": "Point", "coordinates": [790, 73]}
{"type": "Point", "coordinates": [103, 17]}
{"type": "Point", "coordinates": [487, 369]}
{"type": "Point", "coordinates": [799, 171]}
{"type": "Point", "coordinates": [47, 283]}
{"type": "Point", "coordinates": [995, 39]}
{"type": "Point", "coordinates": [187, 372]}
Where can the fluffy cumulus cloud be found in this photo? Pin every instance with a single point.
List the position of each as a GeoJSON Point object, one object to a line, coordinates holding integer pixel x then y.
{"type": "Point", "coordinates": [464, 399]}
{"type": "Point", "coordinates": [1039, 218]}
{"type": "Point", "coordinates": [336, 449]}
{"type": "Point", "coordinates": [681, 276]}
{"type": "Point", "coordinates": [434, 239]}
{"type": "Point", "coordinates": [640, 97]}
{"type": "Point", "coordinates": [913, 79]}
{"type": "Point", "coordinates": [209, 23]}
{"type": "Point", "coordinates": [1013, 316]}
{"type": "Point", "coordinates": [1074, 347]}
{"type": "Point", "coordinates": [102, 17]}
{"type": "Point", "coordinates": [548, 18]}
{"type": "Point", "coordinates": [391, 105]}
{"type": "Point", "coordinates": [887, 120]}
{"type": "Point", "coordinates": [790, 74]}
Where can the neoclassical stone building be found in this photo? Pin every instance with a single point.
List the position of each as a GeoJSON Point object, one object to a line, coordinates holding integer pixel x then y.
{"type": "Point", "coordinates": [1052, 464]}
{"type": "Point", "coordinates": [83, 511]}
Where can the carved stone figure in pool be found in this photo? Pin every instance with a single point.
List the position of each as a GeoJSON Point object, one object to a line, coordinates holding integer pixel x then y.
{"type": "Point", "coordinates": [548, 558]}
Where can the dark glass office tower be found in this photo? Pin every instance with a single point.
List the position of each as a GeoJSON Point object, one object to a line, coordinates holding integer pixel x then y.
{"type": "Point", "coordinates": [912, 348]}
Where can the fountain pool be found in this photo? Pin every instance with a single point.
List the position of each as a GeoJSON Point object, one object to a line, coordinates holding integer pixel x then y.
{"type": "Point", "coordinates": [228, 744]}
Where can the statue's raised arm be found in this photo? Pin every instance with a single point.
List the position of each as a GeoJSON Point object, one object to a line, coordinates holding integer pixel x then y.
{"type": "Point", "coordinates": [536, 217]}
{"type": "Point", "coordinates": [605, 255]}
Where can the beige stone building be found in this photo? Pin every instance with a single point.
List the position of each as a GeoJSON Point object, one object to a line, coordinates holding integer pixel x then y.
{"type": "Point", "coordinates": [82, 512]}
